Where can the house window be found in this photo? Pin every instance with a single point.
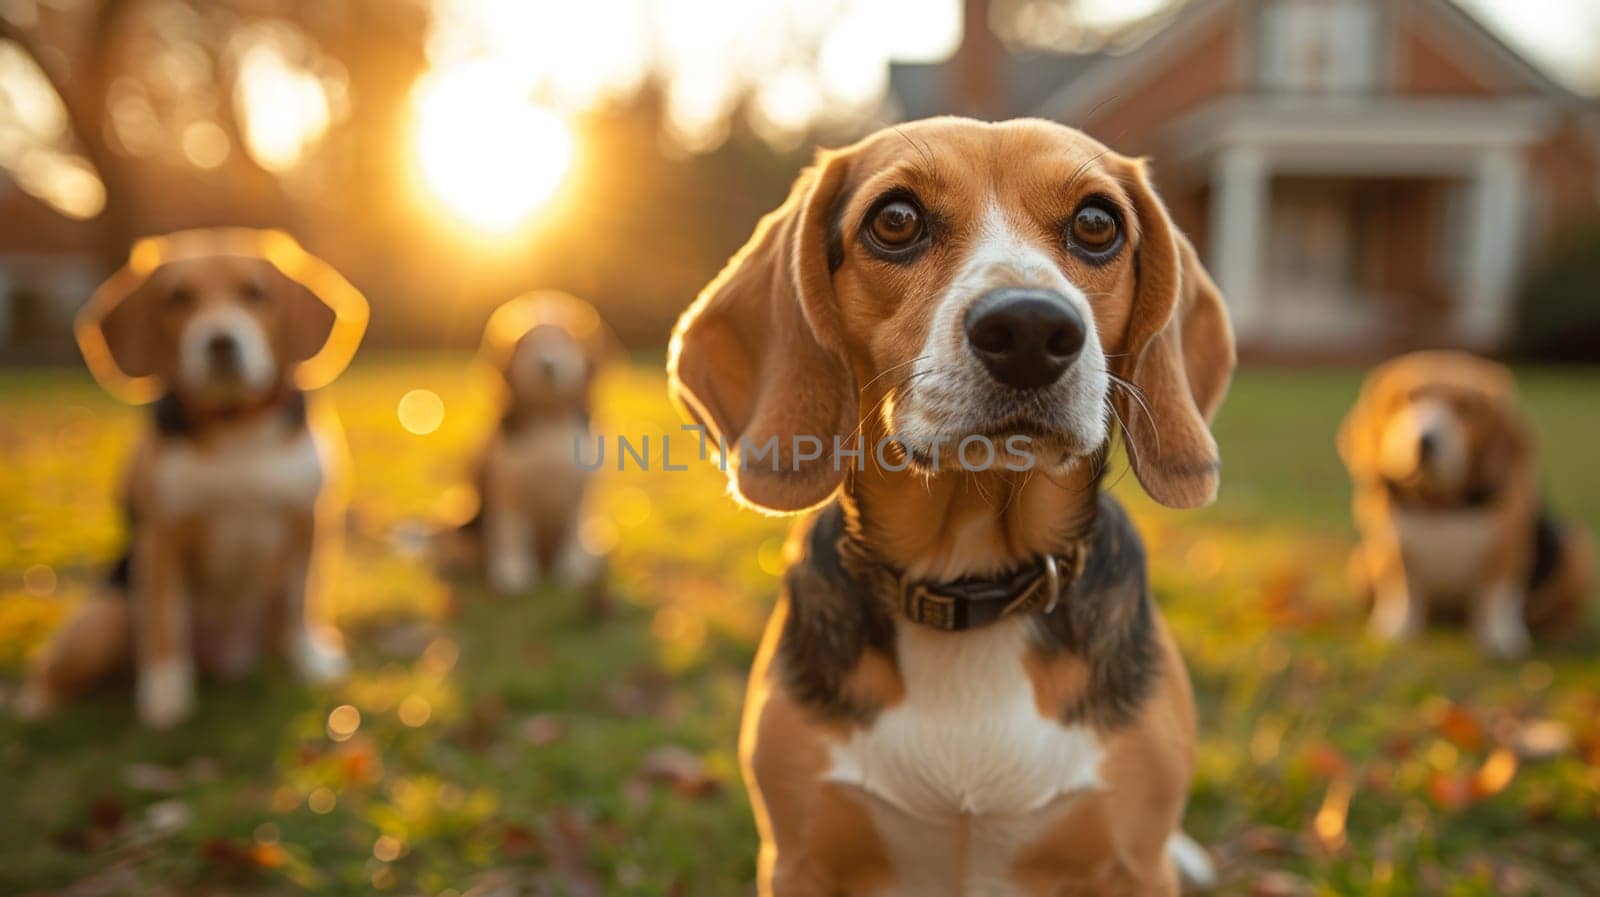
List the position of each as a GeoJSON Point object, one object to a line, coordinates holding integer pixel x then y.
{"type": "Point", "coordinates": [1319, 45]}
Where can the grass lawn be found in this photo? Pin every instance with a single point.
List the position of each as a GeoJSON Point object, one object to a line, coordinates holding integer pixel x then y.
{"type": "Point", "coordinates": [521, 746]}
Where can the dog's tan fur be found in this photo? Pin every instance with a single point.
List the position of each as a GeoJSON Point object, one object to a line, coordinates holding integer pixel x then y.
{"type": "Point", "coordinates": [235, 520]}
{"type": "Point", "coordinates": [546, 348]}
{"type": "Point", "coordinates": [788, 341]}
{"type": "Point", "coordinates": [1457, 532]}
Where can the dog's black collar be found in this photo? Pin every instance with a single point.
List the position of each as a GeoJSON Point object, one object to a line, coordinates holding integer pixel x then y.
{"type": "Point", "coordinates": [1472, 499]}
{"type": "Point", "coordinates": [970, 602]}
{"type": "Point", "coordinates": [174, 421]}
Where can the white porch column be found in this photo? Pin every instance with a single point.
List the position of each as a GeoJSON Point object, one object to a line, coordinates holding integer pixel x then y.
{"type": "Point", "coordinates": [1494, 248]}
{"type": "Point", "coordinates": [1238, 222]}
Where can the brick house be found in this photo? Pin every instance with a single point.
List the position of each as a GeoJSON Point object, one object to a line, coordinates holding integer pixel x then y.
{"type": "Point", "coordinates": [47, 271]}
{"type": "Point", "coordinates": [1360, 175]}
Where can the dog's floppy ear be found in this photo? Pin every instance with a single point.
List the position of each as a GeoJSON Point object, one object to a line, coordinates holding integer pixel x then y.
{"type": "Point", "coordinates": [324, 315]}
{"type": "Point", "coordinates": [1179, 356]}
{"type": "Point", "coordinates": [1508, 449]}
{"type": "Point", "coordinates": [117, 330]}
{"type": "Point", "coordinates": [759, 359]}
{"type": "Point", "coordinates": [1360, 435]}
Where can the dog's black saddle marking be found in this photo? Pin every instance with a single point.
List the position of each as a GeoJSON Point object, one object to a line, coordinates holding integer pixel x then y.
{"type": "Point", "coordinates": [837, 612]}
{"type": "Point", "coordinates": [1547, 548]}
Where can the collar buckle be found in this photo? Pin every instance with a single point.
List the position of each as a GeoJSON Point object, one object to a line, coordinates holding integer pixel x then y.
{"type": "Point", "coordinates": [922, 604]}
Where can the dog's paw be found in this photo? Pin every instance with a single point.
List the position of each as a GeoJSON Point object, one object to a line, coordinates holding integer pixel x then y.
{"type": "Point", "coordinates": [579, 566]}
{"type": "Point", "coordinates": [511, 574]}
{"type": "Point", "coordinates": [1498, 625]}
{"type": "Point", "coordinates": [165, 695]}
{"type": "Point", "coordinates": [318, 658]}
{"type": "Point", "coordinates": [1503, 636]}
{"type": "Point", "coordinates": [1396, 617]}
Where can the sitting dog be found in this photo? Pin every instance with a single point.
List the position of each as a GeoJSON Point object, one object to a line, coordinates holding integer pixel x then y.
{"type": "Point", "coordinates": [233, 500]}
{"type": "Point", "coordinates": [1447, 505]}
{"type": "Point", "coordinates": [547, 348]}
{"type": "Point", "coordinates": [966, 687]}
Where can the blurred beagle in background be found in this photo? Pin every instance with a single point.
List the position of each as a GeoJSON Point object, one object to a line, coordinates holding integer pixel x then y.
{"type": "Point", "coordinates": [1448, 509]}
{"type": "Point", "coordinates": [234, 498]}
{"type": "Point", "coordinates": [966, 687]}
{"type": "Point", "coordinates": [547, 348]}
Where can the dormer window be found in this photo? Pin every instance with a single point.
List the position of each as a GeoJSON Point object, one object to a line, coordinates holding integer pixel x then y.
{"type": "Point", "coordinates": [1318, 46]}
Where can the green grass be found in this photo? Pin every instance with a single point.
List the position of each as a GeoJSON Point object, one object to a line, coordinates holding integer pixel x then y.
{"type": "Point", "coordinates": [530, 763]}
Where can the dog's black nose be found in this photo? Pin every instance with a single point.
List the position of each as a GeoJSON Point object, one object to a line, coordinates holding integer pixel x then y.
{"type": "Point", "coordinates": [1427, 445]}
{"type": "Point", "coordinates": [1026, 338]}
{"type": "Point", "coordinates": [223, 349]}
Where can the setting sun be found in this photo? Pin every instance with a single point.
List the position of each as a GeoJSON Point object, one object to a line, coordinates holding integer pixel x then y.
{"type": "Point", "coordinates": [484, 150]}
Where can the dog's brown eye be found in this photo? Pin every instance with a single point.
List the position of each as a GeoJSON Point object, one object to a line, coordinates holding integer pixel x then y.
{"type": "Point", "coordinates": [1094, 229]}
{"type": "Point", "coordinates": [252, 292]}
{"type": "Point", "coordinates": [180, 298]}
{"type": "Point", "coordinates": [897, 224]}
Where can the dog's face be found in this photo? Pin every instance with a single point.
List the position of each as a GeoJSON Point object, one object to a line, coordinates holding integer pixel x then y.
{"type": "Point", "coordinates": [1440, 424]}
{"type": "Point", "coordinates": [982, 301]}
{"type": "Point", "coordinates": [205, 315]}
{"type": "Point", "coordinates": [548, 347]}
{"type": "Point", "coordinates": [950, 279]}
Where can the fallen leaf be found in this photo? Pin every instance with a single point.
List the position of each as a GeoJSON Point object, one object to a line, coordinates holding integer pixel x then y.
{"type": "Point", "coordinates": [229, 856]}
{"type": "Point", "coordinates": [1460, 728]}
{"type": "Point", "coordinates": [518, 841]}
{"type": "Point", "coordinates": [269, 855]}
{"type": "Point", "coordinates": [1279, 884]}
{"type": "Point", "coordinates": [1495, 773]}
{"type": "Point", "coordinates": [106, 814]}
{"type": "Point", "coordinates": [568, 849]}
{"type": "Point", "coordinates": [1265, 841]}
{"type": "Point", "coordinates": [542, 729]}
{"type": "Point", "coordinates": [1449, 791]}
{"type": "Point", "coordinates": [681, 769]}
{"type": "Point", "coordinates": [1328, 825]}
{"type": "Point", "coordinates": [1327, 762]}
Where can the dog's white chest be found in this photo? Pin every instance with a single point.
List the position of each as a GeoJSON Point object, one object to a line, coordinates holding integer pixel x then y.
{"type": "Point", "coordinates": [247, 470]}
{"type": "Point", "coordinates": [963, 766]}
{"type": "Point", "coordinates": [1445, 550]}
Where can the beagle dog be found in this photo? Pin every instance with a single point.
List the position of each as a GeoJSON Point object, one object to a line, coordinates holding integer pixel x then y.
{"type": "Point", "coordinates": [234, 497]}
{"type": "Point", "coordinates": [966, 688]}
{"type": "Point", "coordinates": [547, 348]}
{"type": "Point", "coordinates": [1447, 506]}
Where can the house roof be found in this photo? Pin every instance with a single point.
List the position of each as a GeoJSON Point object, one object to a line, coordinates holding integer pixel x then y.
{"type": "Point", "coordinates": [1028, 79]}
{"type": "Point", "coordinates": [1108, 73]}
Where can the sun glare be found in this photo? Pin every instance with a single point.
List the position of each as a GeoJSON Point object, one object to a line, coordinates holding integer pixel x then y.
{"type": "Point", "coordinates": [484, 150]}
{"type": "Point", "coordinates": [286, 108]}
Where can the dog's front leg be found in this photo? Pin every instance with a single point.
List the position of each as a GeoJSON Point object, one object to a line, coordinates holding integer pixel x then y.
{"type": "Point", "coordinates": [576, 564]}
{"type": "Point", "coordinates": [1498, 622]}
{"type": "Point", "coordinates": [508, 540]}
{"type": "Point", "coordinates": [312, 645]}
{"type": "Point", "coordinates": [777, 877]}
{"type": "Point", "coordinates": [1399, 607]}
{"type": "Point", "coordinates": [162, 643]}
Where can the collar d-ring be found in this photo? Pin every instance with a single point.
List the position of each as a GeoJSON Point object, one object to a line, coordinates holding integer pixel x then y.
{"type": "Point", "coordinates": [1052, 581]}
